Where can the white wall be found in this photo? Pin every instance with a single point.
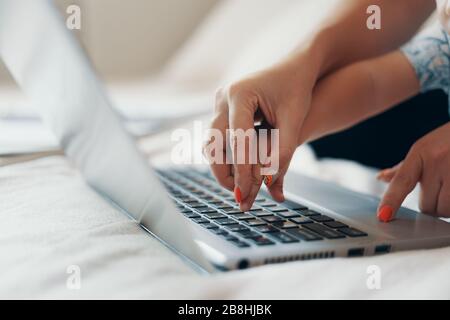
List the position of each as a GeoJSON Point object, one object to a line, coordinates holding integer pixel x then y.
{"type": "Point", "coordinates": [133, 38]}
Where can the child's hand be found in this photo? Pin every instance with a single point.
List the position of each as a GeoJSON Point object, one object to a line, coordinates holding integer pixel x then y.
{"type": "Point", "coordinates": [427, 163]}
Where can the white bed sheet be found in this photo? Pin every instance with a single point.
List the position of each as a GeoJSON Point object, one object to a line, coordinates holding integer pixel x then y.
{"type": "Point", "coordinates": [50, 220]}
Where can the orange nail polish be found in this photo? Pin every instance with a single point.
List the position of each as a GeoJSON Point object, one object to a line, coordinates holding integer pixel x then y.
{"type": "Point", "coordinates": [268, 180]}
{"type": "Point", "coordinates": [237, 195]}
{"type": "Point", "coordinates": [385, 213]}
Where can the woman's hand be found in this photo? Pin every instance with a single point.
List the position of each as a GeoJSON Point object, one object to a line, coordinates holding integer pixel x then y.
{"type": "Point", "coordinates": [280, 97]}
{"type": "Point", "coordinates": [427, 163]}
{"type": "Point", "coordinates": [282, 93]}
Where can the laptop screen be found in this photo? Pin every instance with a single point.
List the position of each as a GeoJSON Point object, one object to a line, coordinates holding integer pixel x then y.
{"type": "Point", "coordinates": [51, 68]}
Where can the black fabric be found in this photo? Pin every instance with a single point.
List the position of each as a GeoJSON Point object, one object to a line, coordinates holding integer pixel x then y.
{"type": "Point", "coordinates": [384, 140]}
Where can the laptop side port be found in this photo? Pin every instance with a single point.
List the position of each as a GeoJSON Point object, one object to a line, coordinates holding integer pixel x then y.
{"type": "Point", "coordinates": [382, 248]}
{"type": "Point", "coordinates": [355, 252]}
{"type": "Point", "coordinates": [243, 264]}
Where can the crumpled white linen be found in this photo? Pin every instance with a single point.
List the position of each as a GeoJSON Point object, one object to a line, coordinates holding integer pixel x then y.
{"type": "Point", "coordinates": [51, 220]}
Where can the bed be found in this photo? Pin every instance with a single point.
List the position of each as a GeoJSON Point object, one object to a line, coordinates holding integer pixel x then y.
{"type": "Point", "coordinates": [53, 224]}
{"type": "Point", "coordinates": [60, 239]}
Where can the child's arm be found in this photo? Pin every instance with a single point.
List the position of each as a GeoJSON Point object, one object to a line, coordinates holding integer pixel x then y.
{"type": "Point", "coordinates": [357, 92]}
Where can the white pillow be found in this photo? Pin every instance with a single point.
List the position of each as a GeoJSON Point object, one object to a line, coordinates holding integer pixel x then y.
{"type": "Point", "coordinates": [280, 37]}
{"type": "Point", "coordinates": [204, 59]}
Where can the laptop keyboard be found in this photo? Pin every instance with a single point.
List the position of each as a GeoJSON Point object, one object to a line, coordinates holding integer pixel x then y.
{"type": "Point", "coordinates": [203, 201]}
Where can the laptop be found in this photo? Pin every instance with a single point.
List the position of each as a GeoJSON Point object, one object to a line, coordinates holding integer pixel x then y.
{"type": "Point", "coordinates": [185, 208]}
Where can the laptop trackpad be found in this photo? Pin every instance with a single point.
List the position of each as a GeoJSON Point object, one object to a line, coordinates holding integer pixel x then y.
{"type": "Point", "coordinates": [359, 210]}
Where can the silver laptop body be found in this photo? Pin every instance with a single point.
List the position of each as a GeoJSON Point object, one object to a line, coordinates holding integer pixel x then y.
{"type": "Point", "coordinates": [188, 211]}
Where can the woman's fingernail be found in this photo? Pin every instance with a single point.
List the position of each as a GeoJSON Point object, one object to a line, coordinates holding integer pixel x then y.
{"type": "Point", "coordinates": [385, 213]}
{"type": "Point", "coordinates": [382, 173]}
{"type": "Point", "coordinates": [237, 194]}
{"type": "Point", "coordinates": [268, 180]}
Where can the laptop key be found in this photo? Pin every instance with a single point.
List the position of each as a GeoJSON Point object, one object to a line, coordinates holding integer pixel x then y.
{"type": "Point", "coordinates": [225, 208]}
{"type": "Point", "coordinates": [206, 210]}
{"type": "Point", "coordinates": [230, 238]}
{"type": "Point", "coordinates": [225, 221]}
{"type": "Point", "coordinates": [301, 220]}
{"type": "Point", "coordinates": [268, 204]}
{"type": "Point", "coordinates": [262, 241]}
{"type": "Point", "coordinates": [272, 219]}
{"type": "Point", "coordinates": [288, 214]}
{"type": "Point", "coordinates": [230, 210]}
{"type": "Point", "coordinates": [321, 218]}
{"type": "Point", "coordinates": [309, 213]}
{"type": "Point", "coordinates": [254, 222]}
{"type": "Point", "coordinates": [198, 206]}
{"type": "Point", "coordinates": [324, 231]}
{"type": "Point", "coordinates": [279, 210]}
{"type": "Point", "coordinates": [283, 237]}
{"type": "Point", "coordinates": [261, 213]}
{"type": "Point", "coordinates": [215, 203]}
{"type": "Point", "coordinates": [303, 234]}
{"type": "Point", "coordinates": [209, 225]}
{"type": "Point", "coordinates": [243, 216]}
{"type": "Point", "coordinates": [235, 211]}
{"type": "Point", "coordinates": [214, 215]}
{"type": "Point", "coordinates": [194, 203]}
{"type": "Point", "coordinates": [352, 232]}
{"type": "Point", "coordinates": [266, 229]}
{"type": "Point", "coordinates": [285, 224]}
{"type": "Point", "coordinates": [191, 215]}
{"type": "Point", "coordinates": [200, 220]}
{"type": "Point", "coordinates": [186, 199]}
{"type": "Point", "coordinates": [236, 228]}
{"type": "Point", "coordinates": [249, 234]}
{"type": "Point", "coordinates": [335, 224]}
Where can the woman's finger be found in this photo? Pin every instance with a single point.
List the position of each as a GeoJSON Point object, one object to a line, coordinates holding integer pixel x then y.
{"type": "Point", "coordinates": [430, 186]}
{"type": "Point", "coordinates": [443, 207]}
{"type": "Point", "coordinates": [282, 152]}
{"type": "Point", "coordinates": [402, 184]}
{"type": "Point", "coordinates": [257, 180]}
{"type": "Point", "coordinates": [242, 108]}
{"type": "Point", "coordinates": [387, 175]}
{"type": "Point", "coordinates": [215, 148]}
{"type": "Point", "coordinates": [275, 188]}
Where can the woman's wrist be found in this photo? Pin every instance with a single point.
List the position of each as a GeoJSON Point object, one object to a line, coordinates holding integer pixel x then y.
{"type": "Point", "coordinates": [315, 54]}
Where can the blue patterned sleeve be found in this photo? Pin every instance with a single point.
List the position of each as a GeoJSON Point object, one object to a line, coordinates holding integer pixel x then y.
{"type": "Point", "coordinates": [429, 53]}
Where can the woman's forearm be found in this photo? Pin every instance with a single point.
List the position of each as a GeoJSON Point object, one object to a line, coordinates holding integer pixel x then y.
{"type": "Point", "coordinates": [343, 37]}
{"type": "Point", "coordinates": [357, 92]}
